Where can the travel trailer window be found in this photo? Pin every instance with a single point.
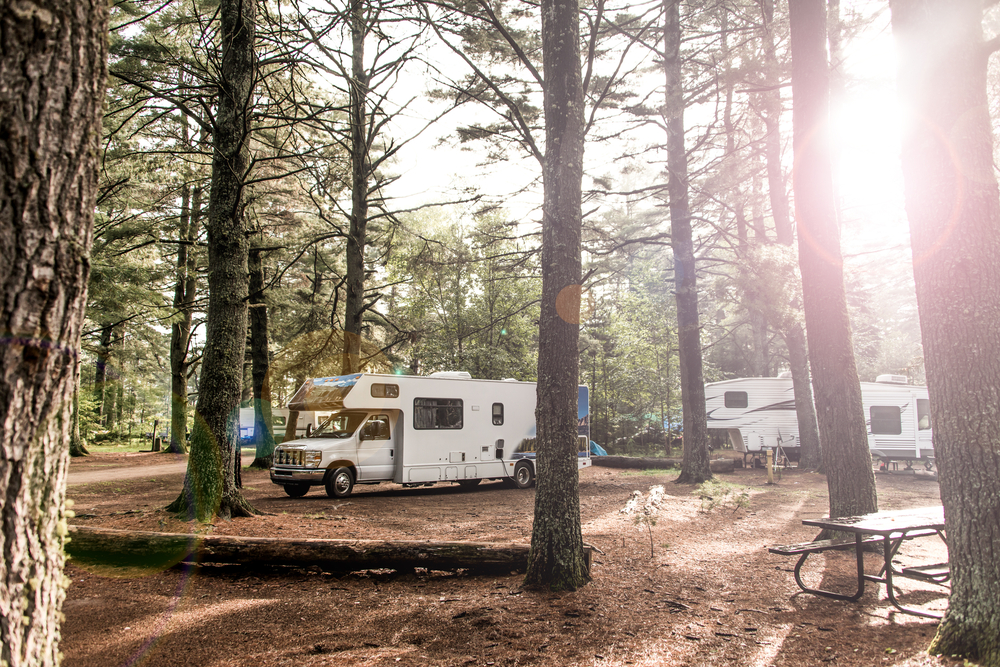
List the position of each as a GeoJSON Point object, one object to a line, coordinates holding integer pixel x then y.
{"type": "Point", "coordinates": [437, 413]}
{"type": "Point", "coordinates": [736, 399]}
{"type": "Point", "coordinates": [278, 420]}
{"type": "Point", "coordinates": [339, 425]}
{"type": "Point", "coordinates": [380, 390]}
{"type": "Point", "coordinates": [886, 420]}
{"type": "Point", "coordinates": [498, 414]}
{"type": "Point", "coordinates": [377, 428]}
{"type": "Point", "coordinates": [923, 414]}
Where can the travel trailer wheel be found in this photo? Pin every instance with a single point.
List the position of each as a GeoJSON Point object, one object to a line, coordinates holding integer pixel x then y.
{"type": "Point", "coordinates": [296, 490]}
{"type": "Point", "coordinates": [340, 483]}
{"type": "Point", "coordinates": [524, 476]}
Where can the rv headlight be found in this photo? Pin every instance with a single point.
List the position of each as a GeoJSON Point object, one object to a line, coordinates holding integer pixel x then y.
{"type": "Point", "coordinates": [313, 459]}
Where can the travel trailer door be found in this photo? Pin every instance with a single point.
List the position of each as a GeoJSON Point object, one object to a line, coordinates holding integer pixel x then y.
{"type": "Point", "coordinates": [377, 447]}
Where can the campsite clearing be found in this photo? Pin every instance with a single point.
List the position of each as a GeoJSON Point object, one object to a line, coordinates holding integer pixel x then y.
{"type": "Point", "coordinates": [710, 594]}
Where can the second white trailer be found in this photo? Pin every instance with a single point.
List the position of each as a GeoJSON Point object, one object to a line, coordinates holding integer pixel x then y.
{"type": "Point", "coordinates": [759, 414]}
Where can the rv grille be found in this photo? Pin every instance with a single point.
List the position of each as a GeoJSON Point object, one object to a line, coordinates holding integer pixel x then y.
{"type": "Point", "coordinates": [289, 457]}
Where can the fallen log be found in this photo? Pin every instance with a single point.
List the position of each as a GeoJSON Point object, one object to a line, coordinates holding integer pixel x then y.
{"type": "Point", "coordinates": [648, 463]}
{"type": "Point", "coordinates": [110, 546]}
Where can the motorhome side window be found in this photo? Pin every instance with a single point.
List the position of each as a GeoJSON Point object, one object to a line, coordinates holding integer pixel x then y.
{"type": "Point", "coordinates": [736, 399]}
{"type": "Point", "coordinates": [886, 420]}
{"type": "Point", "coordinates": [380, 390]}
{"type": "Point", "coordinates": [923, 414]}
{"type": "Point", "coordinates": [437, 413]}
{"type": "Point", "coordinates": [498, 414]}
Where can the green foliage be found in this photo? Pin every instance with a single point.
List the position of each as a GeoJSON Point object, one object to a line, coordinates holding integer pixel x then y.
{"type": "Point", "coordinates": [716, 493]}
{"type": "Point", "coordinates": [470, 300]}
{"type": "Point", "coordinates": [629, 360]}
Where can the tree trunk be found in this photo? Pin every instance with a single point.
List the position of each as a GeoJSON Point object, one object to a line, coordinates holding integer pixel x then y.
{"type": "Point", "coordinates": [842, 429]}
{"type": "Point", "coordinates": [101, 370]}
{"type": "Point", "coordinates": [695, 468]}
{"type": "Point", "coordinates": [557, 559]}
{"type": "Point", "coordinates": [148, 549]}
{"type": "Point", "coordinates": [805, 409]}
{"type": "Point", "coordinates": [953, 205]}
{"type": "Point", "coordinates": [771, 115]}
{"type": "Point", "coordinates": [52, 77]}
{"type": "Point", "coordinates": [792, 332]}
{"type": "Point", "coordinates": [354, 306]}
{"type": "Point", "coordinates": [260, 353]}
{"type": "Point", "coordinates": [76, 444]}
{"type": "Point", "coordinates": [180, 334]}
{"type": "Point", "coordinates": [112, 380]}
{"type": "Point", "coordinates": [210, 485]}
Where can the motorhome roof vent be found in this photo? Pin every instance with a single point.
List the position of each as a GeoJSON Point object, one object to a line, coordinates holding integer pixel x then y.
{"type": "Point", "coordinates": [892, 379]}
{"type": "Point", "coordinates": [455, 375]}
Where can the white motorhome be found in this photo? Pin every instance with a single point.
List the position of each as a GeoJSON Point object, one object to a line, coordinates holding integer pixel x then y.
{"type": "Point", "coordinates": [416, 431]}
{"type": "Point", "coordinates": [759, 414]}
{"type": "Point", "coordinates": [307, 422]}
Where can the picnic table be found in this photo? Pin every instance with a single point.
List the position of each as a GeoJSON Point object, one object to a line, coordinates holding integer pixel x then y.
{"type": "Point", "coordinates": [889, 528]}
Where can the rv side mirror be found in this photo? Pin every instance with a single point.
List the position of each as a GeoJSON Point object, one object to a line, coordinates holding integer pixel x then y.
{"type": "Point", "coordinates": [367, 432]}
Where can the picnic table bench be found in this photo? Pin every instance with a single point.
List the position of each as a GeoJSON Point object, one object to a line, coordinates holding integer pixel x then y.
{"type": "Point", "coordinates": [888, 528]}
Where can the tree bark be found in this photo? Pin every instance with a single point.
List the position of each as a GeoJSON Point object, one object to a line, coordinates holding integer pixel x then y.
{"type": "Point", "coordinates": [260, 352]}
{"type": "Point", "coordinates": [805, 409]}
{"type": "Point", "coordinates": [772, 123]}
{"type": "Point", "coordinates": [842, 429]}
{"type": "Point", "coordinates": [76, 444]}
{"type": "Point", "coordinates": [695, 468]}
{"type": "Point", "coordinates": [101, 370]}
{"type": "Point", "coordinates": [52, 76]}
{"type": "Point", "coordinates": [180, 334]}
{"type": "Point", "coordinates": [210, 485]}
{"type": "Point", "coordinates": [792, 332]}
{"type": "Point", "coordinates": [557, 559]}
{"type": "Point", "coordinates": [953, 205]}
{"type": "Point", "coordinates": [354, 306]}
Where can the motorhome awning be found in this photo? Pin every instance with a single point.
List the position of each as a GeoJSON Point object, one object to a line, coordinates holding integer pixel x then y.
{"type": "Point", "coordinates": [323, 393]}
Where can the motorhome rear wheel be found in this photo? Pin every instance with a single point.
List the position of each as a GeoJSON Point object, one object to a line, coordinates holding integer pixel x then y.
{"type": "Point", "coordinates": [340, 483]}
{"type": "Point", "coordinates": [524, 476]}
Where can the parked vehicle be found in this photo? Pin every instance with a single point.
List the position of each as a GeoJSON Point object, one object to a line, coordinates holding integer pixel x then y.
{"type": "Point", "coordinates": [307, 422]}
{"type": "Point", "coordinates": [759, 414]}
{"type": "Point", "coordinates": [415, 431]}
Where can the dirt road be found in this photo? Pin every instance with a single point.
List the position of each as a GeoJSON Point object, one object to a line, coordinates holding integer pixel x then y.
{"type": "Point", "coordinates": [141, 466]}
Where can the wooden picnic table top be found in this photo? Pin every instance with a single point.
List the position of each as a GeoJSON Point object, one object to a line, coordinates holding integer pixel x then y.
{"type": "Point", "coordinates": [885, 523]}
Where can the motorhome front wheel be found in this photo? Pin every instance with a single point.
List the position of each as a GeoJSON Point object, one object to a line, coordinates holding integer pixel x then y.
{"type": "Point", "coordinates": [340, 483]}
{"type": "Point", "coordinates": [296, 490]}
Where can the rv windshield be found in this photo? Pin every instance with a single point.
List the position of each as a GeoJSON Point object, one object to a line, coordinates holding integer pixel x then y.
{"type": "Point", "coordinates": [340, 425]}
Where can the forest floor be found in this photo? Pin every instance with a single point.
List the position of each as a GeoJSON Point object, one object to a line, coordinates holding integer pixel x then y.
{"type": "Point", "coordinates": [697, 588]}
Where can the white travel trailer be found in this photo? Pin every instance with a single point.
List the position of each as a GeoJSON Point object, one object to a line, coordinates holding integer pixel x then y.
{"type": "Point", "coordinates": [759, 414]}
{"type": "Point", "coordinates": [416, 431]}
{"type": "Point", "coordinates": [307, 422]}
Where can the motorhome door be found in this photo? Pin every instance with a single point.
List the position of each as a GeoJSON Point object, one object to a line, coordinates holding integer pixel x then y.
{"type": "Point", "coordinates": [376, 448]}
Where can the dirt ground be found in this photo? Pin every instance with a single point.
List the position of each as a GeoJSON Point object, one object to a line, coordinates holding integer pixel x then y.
{"type": "Point", "coordinates": [709, 594]}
